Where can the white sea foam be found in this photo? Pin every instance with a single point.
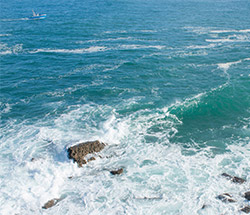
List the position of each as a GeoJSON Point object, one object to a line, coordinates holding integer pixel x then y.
{"type": "Point", "coordinates": [67, 91]}
{"type": "Point", "coordinates": [184, 54]}
{"type": "Point", "coordinates": [225, 40]}
{"type": "Point", "coordinates": [112, 32]}
{"type": "Point", "coordinates": [5, 35]}
{"type": "Point", "coordinates": [198, 30]}
{"type": "Point", "coordinates": [212, 45]}
{"type": "Point", "coordinates": [106, 40]}
{"type": "Point", "coordinates": [148, 31]}
{"type": "Point", "coordinates": [230, 38]}
{"type": "Point", "coordinates": [73, 51]}
{"type": "Point", "coordinates": [6, 107]}
{"type": "Point", "coordinates": [230, 31]}
{"type": "Point", "coordinates": [6, 50]}
{"type": "Point", "coordinates": [134, 46]}
{"type": "Point", "coordinates": [226, 66]}
{"type": "Point", "coordinates": [131, 31]}
{"type": "Point", "coordinates": [206, 30]}
{"type": "Point", "coordinates": [115, 66]}
{"type": "Point", "coordinates": [10, 20]}
{"type": "Point", "coordinates": [97, 49]}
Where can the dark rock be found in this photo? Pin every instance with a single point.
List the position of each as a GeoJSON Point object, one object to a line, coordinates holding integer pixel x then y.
{"type": "Point", "coordinates": [238, 180]}
{"type": "Point", "coordinates": [150, 198]}
{"type": "Point", "coordinates": [204, 206]}
{"type": "Point", "coordinates": [226, 197]}
{"type": "Point", "coordinates": [36, 159]}
{"type": "Point", "coordinates": [70, 177]}
{"type": "Point", "coordinates": [227, 176]}
{"type": "Point", "coordinates": [78, 152]}
{"type": "Point", "coordinates": [246, 209]}
{"type": "Point", "coordinates": [247, 195]}
{"type": "Point", "coordinates": [91, 159]}
{"type": "Point", "coordinates": [234, 179]}
{"type": "Point", "coordinates": [51, 203]}
{"type": "Point", "coordinates": [117, 172]}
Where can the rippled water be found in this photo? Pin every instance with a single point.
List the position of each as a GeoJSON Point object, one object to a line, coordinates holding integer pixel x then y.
{"type": "Point", "coordinates": [164, 83]}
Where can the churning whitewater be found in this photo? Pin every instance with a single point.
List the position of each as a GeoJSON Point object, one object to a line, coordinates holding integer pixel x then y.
{"type": "Point", "coordinates": [163, 88]}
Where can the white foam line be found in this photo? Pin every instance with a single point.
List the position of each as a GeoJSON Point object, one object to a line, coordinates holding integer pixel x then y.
{"type": "Point", "coordinates": [114, 39]}
{"type": "Point", "coordinates": [226, 40]}
{"type": "Point", "coordinates": [111, 32]}
{"type": "Point", "coordinates": [104, 40]}
{"type": "Point", "coordinates": [148, 31]}
{"type": "Point", "coordinates": [226, 66]}
{"type": "Point", "coordinates": [221, 40]}
{"type": "Point", "coordinates": [140, 47]}
{"type": "Point", "coordinates": [114, 67]}
{"type": "Point", "coordinates": [96, 49]}
{"type": "Point", "coordinates": [198, 30]}
{"type": "Point", "coordinates": [230, 31]}
{"type": "Point", "coordinates": [74, 51]}
{"type": "Point", "coordinates": [202, 47]}
{"type": "Point", "coordinates": [6, 52]}
{"type": "Point", "coordinates": [231, 38]}
{"type": "Point", "coordinates": [9, 20]}
{"type": "Point", "coordinates": [5, 35]}
{"type": "Point", "coordinates": [134, 31]}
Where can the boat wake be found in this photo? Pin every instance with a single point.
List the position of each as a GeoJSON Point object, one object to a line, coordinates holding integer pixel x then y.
{"type": "Point", "coordinates": [10, 20]}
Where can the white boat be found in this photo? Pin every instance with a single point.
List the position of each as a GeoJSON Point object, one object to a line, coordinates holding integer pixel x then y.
{"type": "Point", "coordinates": [37, 15]}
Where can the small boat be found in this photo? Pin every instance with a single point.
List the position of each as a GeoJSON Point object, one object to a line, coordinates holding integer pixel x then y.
{"type": "Point", "coordinates": [37, 16]}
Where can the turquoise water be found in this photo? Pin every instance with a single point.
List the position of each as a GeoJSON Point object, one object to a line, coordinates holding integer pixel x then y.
{"type": "Point", "coordinates": [166, 84]}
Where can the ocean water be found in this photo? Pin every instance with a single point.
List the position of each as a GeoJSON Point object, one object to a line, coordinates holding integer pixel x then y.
{"type": "Point", "coordinates": [165, 83]}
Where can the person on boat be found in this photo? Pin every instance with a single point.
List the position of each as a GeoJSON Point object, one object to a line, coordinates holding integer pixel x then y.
{"type": "Point", "coordinates": [35, 14]}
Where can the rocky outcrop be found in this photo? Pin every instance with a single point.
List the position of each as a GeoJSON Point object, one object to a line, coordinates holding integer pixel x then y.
{"type": "Point", "coordinates": [234, 179]}
{"type": "Point", "coordinates": [246, 209]}
{"type": "Point", "coordinates": [51, 203]}
{"type": "Point", "coordinates": [247, 195]}
{"type": "Point", "coordinates": [226, 197]}
{"type": "Point", "coordinates": [117, 172]}
{"type": "Point", "coordinates": [78, 152]}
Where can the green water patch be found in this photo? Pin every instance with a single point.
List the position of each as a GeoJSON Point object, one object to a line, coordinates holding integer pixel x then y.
{"type": "Point", "coordinates": [215, 117]}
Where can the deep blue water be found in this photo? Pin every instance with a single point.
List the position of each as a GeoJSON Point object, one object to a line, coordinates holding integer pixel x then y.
{"type": "Point", "coordinates": [166, 84]}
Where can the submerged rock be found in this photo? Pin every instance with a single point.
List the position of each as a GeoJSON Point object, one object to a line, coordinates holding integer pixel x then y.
{"type": "Point", "coordinates": [225, 197]}
{"type": "Point", "coordinates": [246, 209]}
{"type": "Point", "coordinates": [33, 159]}
{"type": "Point", "coordinates": [234, 179]}
{"type": "Point", "coordinates": [150, 198]}
{"type": "Point", "coordinates": [247, 195]}
{"type": "Point", "coordinates": [204, 206]}
{"type": "Point", "coordinates": [78, 152]}
{"type": "Point", "coordinates": [117, 172]}
{"type": "Point", "coordinates": [51, 203]}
